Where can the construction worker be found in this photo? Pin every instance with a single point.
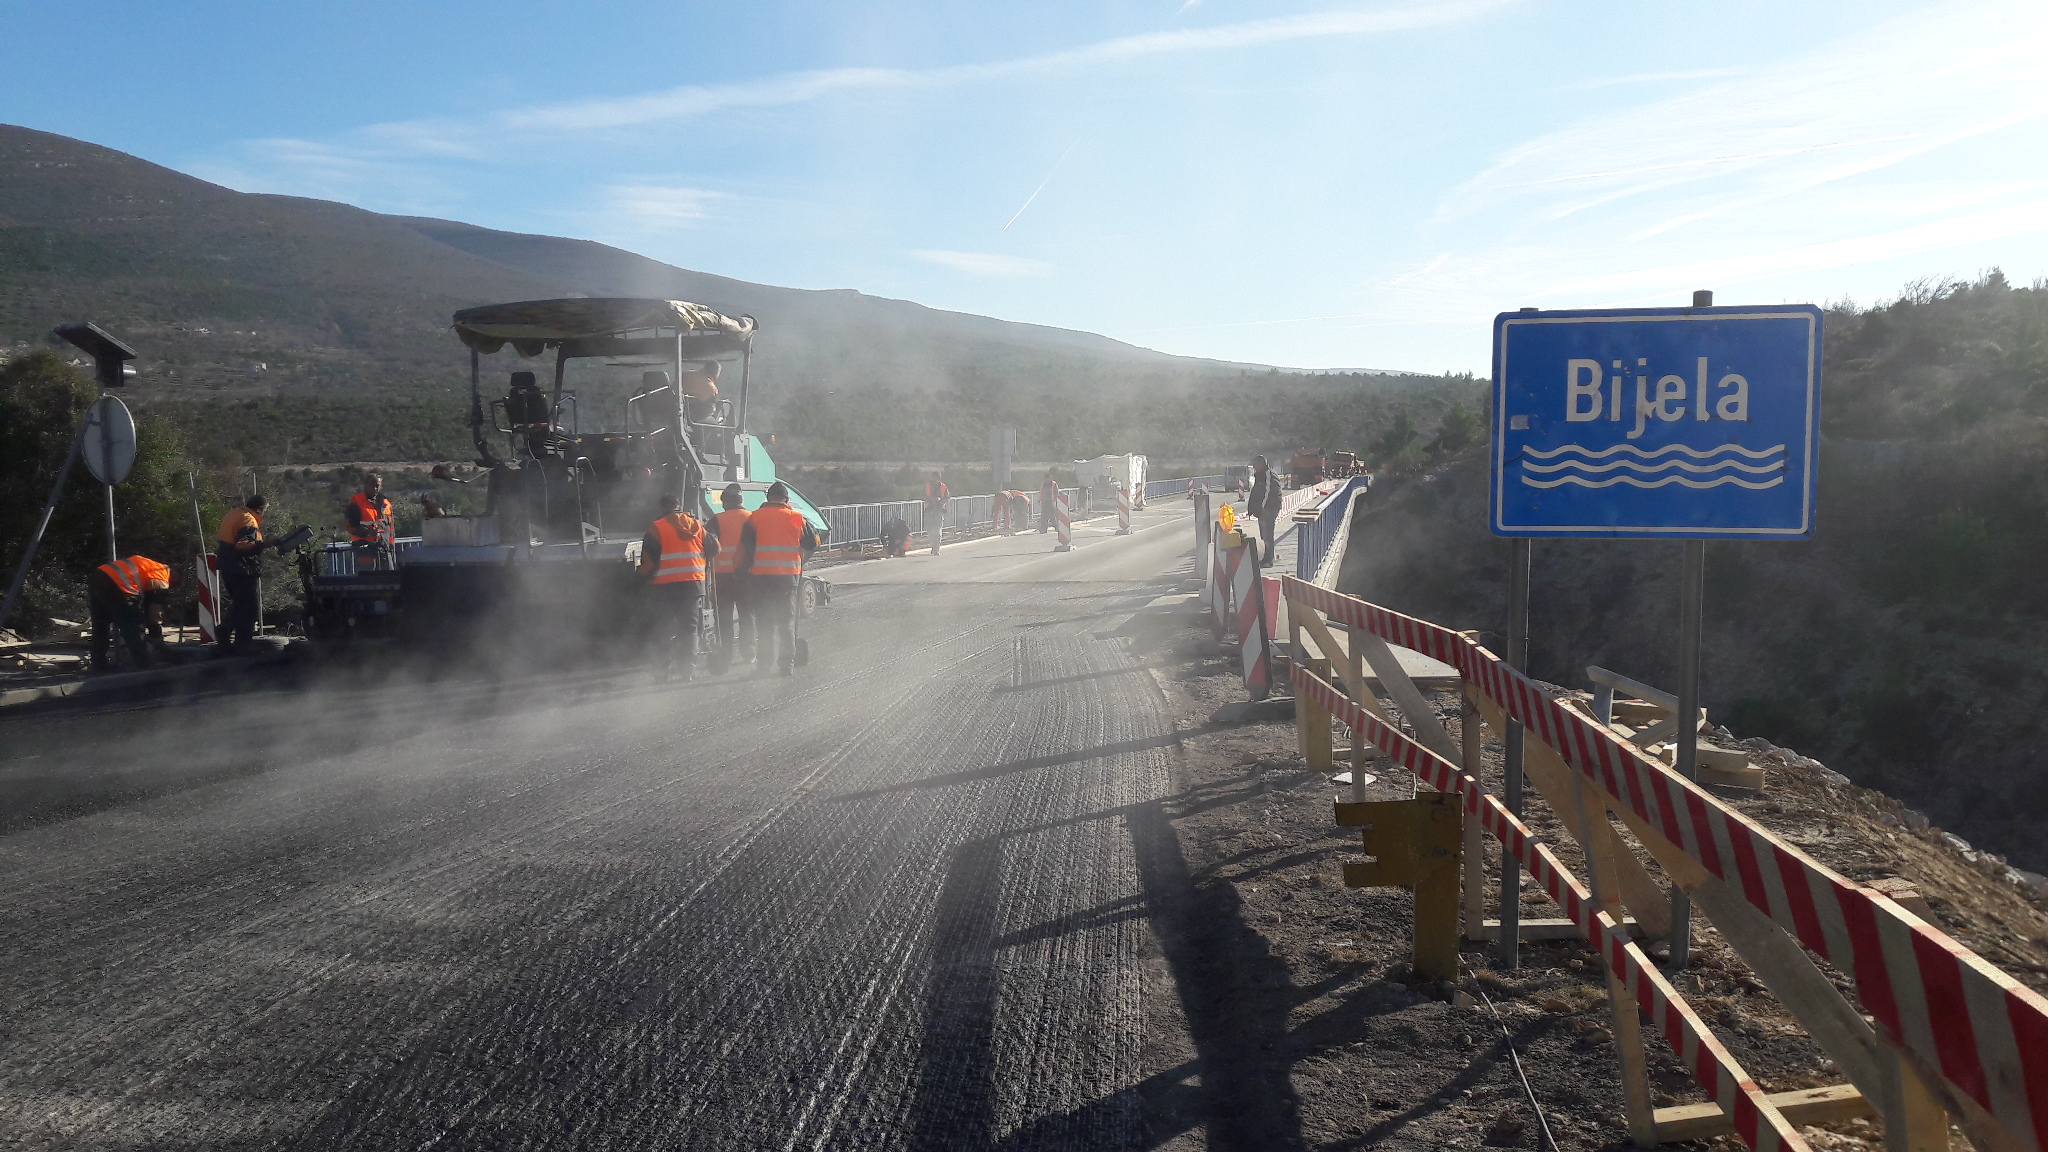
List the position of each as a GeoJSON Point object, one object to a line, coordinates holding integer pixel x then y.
{"type": "Point", "coordinates": [674, 555]}
{"type": "Point", "coordinates": [936, 500]}
{"type": "Point", "coordinates": [1262, 504]}
{"type": "Point", "coordinates": [895, 537]}
{"type": "Point", "coordinates": [1048, 495]}
{"type": "Point", "coordinates": [122, 596]}
{"type": "Point", "coordinates": [238, 553]}
{"type": "Point", "coordinates": [772, 550]}
{"type": "Point", "coordinates": [370, 528]}
{"type": "Point", "coordinates": [735, 615]}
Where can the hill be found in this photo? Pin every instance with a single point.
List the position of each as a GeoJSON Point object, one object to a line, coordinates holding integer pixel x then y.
{"type": "Point", "coordinates": [326, 297]}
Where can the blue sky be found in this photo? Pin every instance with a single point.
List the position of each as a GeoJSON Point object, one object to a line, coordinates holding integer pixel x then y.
{"type": "Point", "coordinates": [1336, 185]}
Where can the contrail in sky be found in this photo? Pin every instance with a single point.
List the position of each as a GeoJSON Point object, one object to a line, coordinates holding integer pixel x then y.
{"type": "Point", "coordinates": [1042, 183]}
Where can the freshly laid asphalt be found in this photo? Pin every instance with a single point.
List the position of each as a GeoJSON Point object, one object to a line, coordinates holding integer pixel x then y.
{"type": "Point", "coordinates": [892, 902]}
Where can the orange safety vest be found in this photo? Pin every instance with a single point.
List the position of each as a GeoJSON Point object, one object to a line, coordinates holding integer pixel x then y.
{"type": "Point", "coordinates": [778, 540]}
{"type": "Point", "coordinates": [375, 520]}
{"type": "Point", "coordinates": [138, 574]}
{"type": "Point", "coordinates": [731, 523]}
{"type": "Point", "coordinates": [682, 550]}
{"type": "Point", "coordinates": [231, 525]}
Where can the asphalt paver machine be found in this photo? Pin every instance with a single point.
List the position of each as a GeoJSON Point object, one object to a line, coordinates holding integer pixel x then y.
{"type": "Point", "coordinates": [606, 407]}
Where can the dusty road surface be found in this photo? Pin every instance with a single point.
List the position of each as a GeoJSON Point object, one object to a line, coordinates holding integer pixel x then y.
{"type": "Point", "coordinates": [894, 902]}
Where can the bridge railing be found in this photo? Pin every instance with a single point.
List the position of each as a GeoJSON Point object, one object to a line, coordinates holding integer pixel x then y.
{"type": "Point", "coordinates": [1947, 1035]}
{"type": "Point", "coordinates": [854, 524]}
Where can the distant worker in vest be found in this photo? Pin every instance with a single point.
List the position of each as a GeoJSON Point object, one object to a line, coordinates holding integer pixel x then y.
{"type": "Point", "coordinates": [1262, 504]}
{"type": "Point", "coordinates": [734, 612]}
{"type": "Point", "coordinates": [371, 532]}
{"type": "Point", "coordinates": [238, 554]}
{"type": "Point", "coordinates": [1048, 495]}
{"type": "Point", "coordinates": [123, 596]}
{"type": "Point", "coordinates": [674, 555]}
{"type": "Point", "coordinates": [773, 547]}
{"type": "Point", "coordinates": [936, 501]}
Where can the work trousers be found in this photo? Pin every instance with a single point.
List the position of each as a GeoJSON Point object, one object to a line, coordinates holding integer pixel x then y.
{"type": "Point", "coordinates": [1266, 534]}
{"type": "Point", "coordinates": [239, 615]}
{"type": "Point", "coordinates": [672, 635]}
{"type": "Point", "coordinates": [775, 620]}
{"type": "Point", "coordinates": [1045, 514]}
{"type": "Point", "coordinates": [114, 611]}
{"type": "Point", "coordinates": [735, 613]}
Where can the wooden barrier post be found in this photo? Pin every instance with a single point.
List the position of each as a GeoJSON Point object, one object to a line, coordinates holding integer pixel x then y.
{"type": "Point", "coordinates": [1312, 724]}
{"type": "Point", "coordinates": [1417, 843]}
{"type": "Point", "coordinates": [1472, 745]}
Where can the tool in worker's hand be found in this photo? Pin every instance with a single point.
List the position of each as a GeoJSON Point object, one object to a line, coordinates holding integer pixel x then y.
{"type": "Point", "coordinates": [292, 539]}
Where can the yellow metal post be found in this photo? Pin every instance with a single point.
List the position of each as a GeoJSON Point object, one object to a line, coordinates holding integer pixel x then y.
{"type": "Point", "coordinates": [1418, 844]}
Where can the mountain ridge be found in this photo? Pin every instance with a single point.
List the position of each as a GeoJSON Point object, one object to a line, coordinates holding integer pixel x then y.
{"type": "Point", "coordinates": [212, 283]}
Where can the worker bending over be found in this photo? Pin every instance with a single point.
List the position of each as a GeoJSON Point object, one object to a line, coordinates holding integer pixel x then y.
{"type": "Point", "coordinates": [734, 612]}
{"type": "Point", "coordinates": [123, 596]}
{"type": "Point", "coordinates": [772, 550]}
{"type": "Point", "coordinates": [674, 555]}
{"type": "Point", "coordinates": [370, 531]}
{"type": "Point", "coordinates": [238, 554]}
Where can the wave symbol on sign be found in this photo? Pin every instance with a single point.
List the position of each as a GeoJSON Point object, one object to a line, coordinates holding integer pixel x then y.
{"type": "Point", "coordinates": [1640, 468]}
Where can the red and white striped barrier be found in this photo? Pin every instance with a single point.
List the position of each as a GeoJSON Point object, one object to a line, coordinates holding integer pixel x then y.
{"type": "Point", "coordinates": [1123, 511]}
{"type": "Point", "coordinates": [1984, 1033]}
{"type": "Point", "coordinates": [208, 569]}
{"type": "Point", "coordinates": [1063, 519]}
{"type": "Point", "coordinates": [1757, 1121]}
{"type": "Point", "coordinates": [1248, 593]}
{"type": "Point", "coordinates": [1223, 564]}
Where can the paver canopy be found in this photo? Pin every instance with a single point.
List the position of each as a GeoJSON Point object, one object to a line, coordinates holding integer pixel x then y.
{"type": "Point", "coordinates": [530, 326]}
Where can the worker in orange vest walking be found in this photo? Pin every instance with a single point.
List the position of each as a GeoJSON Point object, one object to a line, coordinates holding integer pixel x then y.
{"type": "Point", "coordinates": [735, 614]}
{"type": "Point", "coordinates": [371, 532]}
{"type": "Point", "coordinates": [773, 546]}
{"type": "Point", "coordinates": [123, 596]}
{"type": "Point", "coordinates": [674, 555]}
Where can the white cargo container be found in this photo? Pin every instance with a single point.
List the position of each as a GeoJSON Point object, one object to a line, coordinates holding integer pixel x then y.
{"type": "Point", "coordinates": [1105, 474]}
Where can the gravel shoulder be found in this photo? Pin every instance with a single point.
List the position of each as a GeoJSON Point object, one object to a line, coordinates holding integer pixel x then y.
{"type": "Point", "coordinates": [1300, 1019]}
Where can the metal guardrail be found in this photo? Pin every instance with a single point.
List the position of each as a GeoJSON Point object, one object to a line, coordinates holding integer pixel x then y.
{"type": "Point", "coordinates": [1314, 538]}
{"type": "Point", "coordinates": [851, 524]}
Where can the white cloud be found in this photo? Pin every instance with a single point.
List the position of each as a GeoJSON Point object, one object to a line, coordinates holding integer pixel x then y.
{"type": "Point", "coordinates": [1918, 135]}
{"type": "Point", "coordinates": [450, 137]}
{"type": "Point", "coordinates": [327, 171]}
{"type": "Point", "coordinates": [984, 263]}
{"type": "Point", "coordinates": [661, 207]}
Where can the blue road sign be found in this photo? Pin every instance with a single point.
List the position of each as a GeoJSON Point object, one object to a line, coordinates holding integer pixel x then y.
{"type": "Point", "coordinates": [1669, 422]}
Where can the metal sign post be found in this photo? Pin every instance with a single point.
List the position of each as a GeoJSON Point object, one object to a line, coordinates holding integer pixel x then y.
{"type": "Point", "coordinates": [1696, 424]}
{"type": "Point", "coordinates": [110, 452]}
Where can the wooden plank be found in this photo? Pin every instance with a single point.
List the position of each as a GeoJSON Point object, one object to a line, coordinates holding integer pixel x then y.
{"type": "Point", "coordinates": [1640, 893]}
{"type": "Point", "coordinates": [1603, 852]}
{"type": "Point", "coordinates": [1421, 717]}
{"type": "Point", "coordinates": [1547, 928]}
{"type": "Point", "coordinates": [1831, 1105]}
{"type": "Point", "coordinates": [1472, 752]}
